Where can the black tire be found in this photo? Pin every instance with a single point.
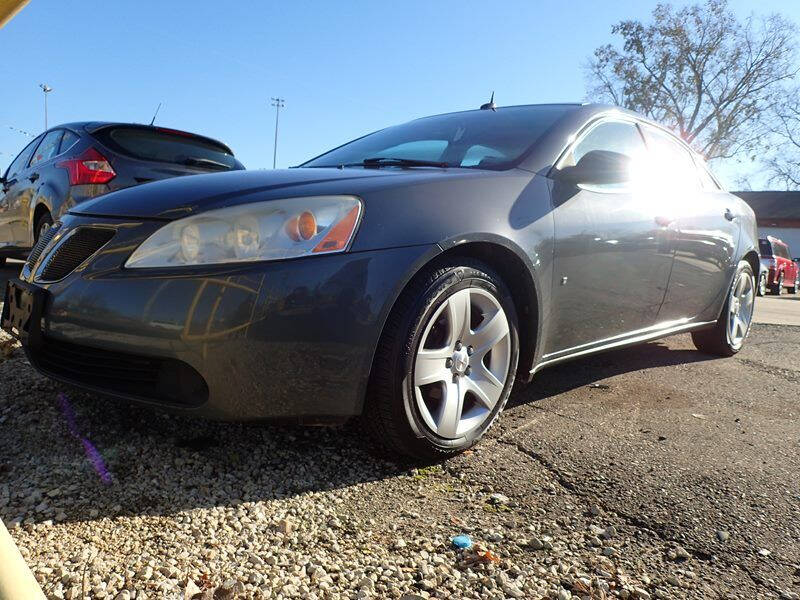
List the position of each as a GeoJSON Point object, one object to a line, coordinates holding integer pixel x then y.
{"type": "Point", "coordinates": [391, 415]}
{"type": "Point", "coordinates": [44, 221]}
{"type": "Point", "coordinates": [716, 340]}
{"type": "Point", "coordinates": [2, 261]}
{"type": "Point", "coordinates": [762, 285]}
{"type": "Point", "coordinates": [794, 288]}
{"type": "Point", "coordinates": [777, 288]}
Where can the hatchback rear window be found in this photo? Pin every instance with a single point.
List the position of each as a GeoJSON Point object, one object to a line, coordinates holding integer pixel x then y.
{"type": "Point", "coordinates": [168, 147]}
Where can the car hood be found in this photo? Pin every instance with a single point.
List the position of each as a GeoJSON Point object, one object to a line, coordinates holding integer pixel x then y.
{"type": "Point", "coordinates": [176, 198]}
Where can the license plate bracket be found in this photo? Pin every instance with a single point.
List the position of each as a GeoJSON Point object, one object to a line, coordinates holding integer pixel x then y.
{"type": "Point", "coordinates": [23, 305]}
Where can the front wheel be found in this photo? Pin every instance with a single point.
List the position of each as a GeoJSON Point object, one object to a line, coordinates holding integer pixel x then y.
{"type": "Point", "coordinates": [794, 289]}
{"type": "Point", "coordinates": [727, 337]}
{"type": "Point", "coordinates": [445, 363]}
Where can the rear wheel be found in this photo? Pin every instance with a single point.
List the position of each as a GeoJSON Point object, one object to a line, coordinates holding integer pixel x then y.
{"type": "Point", "coordinates": [445, 364]}
{"type": "Point", "coordinates": [762, 284]}
{"type": "Point", "coordinates": [727, 337]}
{"type": "Point", "coordinates": [41, 226]}
{"type": "Point", "coordinates": [796, 286]}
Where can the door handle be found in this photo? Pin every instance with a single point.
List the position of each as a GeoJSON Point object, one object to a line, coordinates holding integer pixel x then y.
{"type": "Point", "coordinates": [33, 177]}
{"type": "Point", "coordinates": [729, 215]}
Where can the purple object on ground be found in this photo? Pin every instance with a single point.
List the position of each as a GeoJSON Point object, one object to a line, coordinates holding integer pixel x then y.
{"type": "Point", "coordinates": [91, 452]}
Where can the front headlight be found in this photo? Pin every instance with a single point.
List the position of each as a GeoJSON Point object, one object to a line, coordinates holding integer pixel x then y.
{"type": "Point", "coordinates": [270, 230]}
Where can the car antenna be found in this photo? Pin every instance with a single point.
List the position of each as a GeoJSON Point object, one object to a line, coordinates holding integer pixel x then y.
{"type": "Point", "coordinates": [153, 120]}
{"type": "Point", "coordinates": [490, 105]}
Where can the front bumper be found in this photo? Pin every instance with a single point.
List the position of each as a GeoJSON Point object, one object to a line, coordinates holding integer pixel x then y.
{"type": "Point", "coordinates": [284, 339]}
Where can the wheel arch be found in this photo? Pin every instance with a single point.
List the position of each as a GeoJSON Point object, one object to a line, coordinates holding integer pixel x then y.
{"type": "Point", "coordinates": [516, 270]}
{"type": "Point", "coordinates": [753, 258]}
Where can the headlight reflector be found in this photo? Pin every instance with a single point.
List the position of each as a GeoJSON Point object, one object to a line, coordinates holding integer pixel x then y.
{"type": "Point", "coordinates": [270, 230]}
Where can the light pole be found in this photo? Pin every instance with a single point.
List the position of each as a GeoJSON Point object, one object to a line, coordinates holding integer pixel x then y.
{"type": "Point", "coordinates": [278, 103]}
{"type": "Point", "coordinates": [46, 89]}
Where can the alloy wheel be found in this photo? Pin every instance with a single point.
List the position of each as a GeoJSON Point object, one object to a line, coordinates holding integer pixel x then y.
{"type": "Point", "coordinates": [740, 309]}
{"type": "Point", "coordinates": [462, 363]}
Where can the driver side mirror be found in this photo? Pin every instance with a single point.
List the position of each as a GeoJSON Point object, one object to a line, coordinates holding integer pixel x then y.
{"type": "Point", "coordinates": [598, 167]}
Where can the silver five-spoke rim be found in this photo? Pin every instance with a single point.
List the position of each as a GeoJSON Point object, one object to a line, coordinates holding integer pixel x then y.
{"type": "Point", "coordinates": [740, 309]}
{"type": "Point", "coordinates": [461, 365]}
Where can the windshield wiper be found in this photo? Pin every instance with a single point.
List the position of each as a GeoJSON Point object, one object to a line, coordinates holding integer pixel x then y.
{"type": "Point", "coordinates": [205, 162]}
{"type": "Point", "coordinates": [387, 161]}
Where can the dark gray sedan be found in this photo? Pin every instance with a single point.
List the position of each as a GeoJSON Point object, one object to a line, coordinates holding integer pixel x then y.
{"type": "Point", "coordinates": [409, 276]}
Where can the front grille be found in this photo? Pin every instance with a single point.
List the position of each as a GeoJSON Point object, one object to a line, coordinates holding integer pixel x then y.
{"type": "Point", "coordinates": [73, 250]}
{"type": "Point", "coordinates": [161, 380]}
{"type": "Point", "coordinates": [44, 241]}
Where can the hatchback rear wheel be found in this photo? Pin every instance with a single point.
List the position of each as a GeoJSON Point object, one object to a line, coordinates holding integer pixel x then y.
{"type": "Point", "coordinates": [44, 223]}
{"type": "Point", "coordinates": [445, 364]}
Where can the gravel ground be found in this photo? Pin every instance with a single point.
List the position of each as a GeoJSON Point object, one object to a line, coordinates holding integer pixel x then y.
{"type": "Point", "coordinates": [652, 472]}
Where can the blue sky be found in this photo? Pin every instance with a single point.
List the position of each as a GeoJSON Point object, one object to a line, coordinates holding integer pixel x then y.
{"type": "Point", "coordinates": [344, 68]}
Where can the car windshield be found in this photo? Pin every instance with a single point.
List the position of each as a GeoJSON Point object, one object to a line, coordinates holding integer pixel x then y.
{"type": "Point", "coordinates": [482, 139]}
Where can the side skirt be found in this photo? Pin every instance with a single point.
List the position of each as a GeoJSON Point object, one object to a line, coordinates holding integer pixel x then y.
{"type": "Point", "coordinates": [637, 337]}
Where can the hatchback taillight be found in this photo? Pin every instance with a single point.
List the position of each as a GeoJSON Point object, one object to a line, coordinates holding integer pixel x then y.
{"type": "Point", "coordinates": [88, 168]}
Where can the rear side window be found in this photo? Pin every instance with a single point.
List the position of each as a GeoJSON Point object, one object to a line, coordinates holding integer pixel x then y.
{"type": "Point", "coordinates": [765, 248]}
{"type": "Point", "coordinates": [48, 148]}
{"type": "Point", "coordinates": [164, 146]}
{"type": "Point", "coordinates": [68, 141]}
{"type": "Point", "coordinates": [22, 159]}
{"type": "Point", "coordinates": [781, 250]}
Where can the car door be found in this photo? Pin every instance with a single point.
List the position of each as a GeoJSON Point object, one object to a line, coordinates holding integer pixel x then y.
{"type": "Point", "coordinates": [612, 258]}
{"type": "Point", "coordinates": [13, 185]}
{"type": "Point", "coordinates": [706, 231]}
{"type": "Point", "coordinates": [22, 203]}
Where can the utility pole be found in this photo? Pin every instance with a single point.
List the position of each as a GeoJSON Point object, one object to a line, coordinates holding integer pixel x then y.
{"type": "Point", "coordinates": [278, 103]}
{"type": "Point", "coordinates": [46, 89]}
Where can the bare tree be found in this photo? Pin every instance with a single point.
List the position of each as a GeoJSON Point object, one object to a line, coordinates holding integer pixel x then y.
{"type": "Point", "coordinates": [700, 71]}
{"type": "Point", "coordinates": [784, 158]}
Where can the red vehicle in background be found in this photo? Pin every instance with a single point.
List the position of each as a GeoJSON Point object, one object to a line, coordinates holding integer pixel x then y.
{"type": "Point", "coordinates": [778, 270]}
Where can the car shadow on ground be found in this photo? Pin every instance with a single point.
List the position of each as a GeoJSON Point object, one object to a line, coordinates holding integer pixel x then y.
{"type": "Point", "coordinates": [161, 464]}
{"type": "Point", "coordinates": [577, 373]}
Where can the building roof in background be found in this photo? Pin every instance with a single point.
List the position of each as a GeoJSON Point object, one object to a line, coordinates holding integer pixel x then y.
{"type": "Point", "coordinates": [777, 207]}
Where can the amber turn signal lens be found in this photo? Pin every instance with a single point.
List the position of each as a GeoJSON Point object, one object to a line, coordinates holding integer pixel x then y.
{"type": "Point", "coordinates": [340, 234]}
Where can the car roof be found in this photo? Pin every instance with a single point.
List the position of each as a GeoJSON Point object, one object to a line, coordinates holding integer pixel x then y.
{"type": "Point", "coordinates": [92, 126]}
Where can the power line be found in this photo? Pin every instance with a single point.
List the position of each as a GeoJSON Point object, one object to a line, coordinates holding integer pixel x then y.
{"type": "Point", "coordinates": [22, 131]}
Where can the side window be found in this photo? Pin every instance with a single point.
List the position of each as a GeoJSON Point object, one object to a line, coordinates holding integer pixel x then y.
{"type": "Point", "coordinates": [614, 136]}
{"type": "Point", "coordinates": [68, 141]}
{"type": "Point", "coordinates": [48, 148]}
{"type": "Point", "coordinates": [706, 180]}
{"type": "Point", "coordinates": [672, 166]}
{"type": "Point", "coordinates": [611, 136]}
{"type": "Point", "coordinates": [22, 159]}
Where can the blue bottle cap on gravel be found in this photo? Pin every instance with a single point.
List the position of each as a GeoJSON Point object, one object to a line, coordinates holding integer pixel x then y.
{"type": "Point", "coordinates": [462, 541]}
